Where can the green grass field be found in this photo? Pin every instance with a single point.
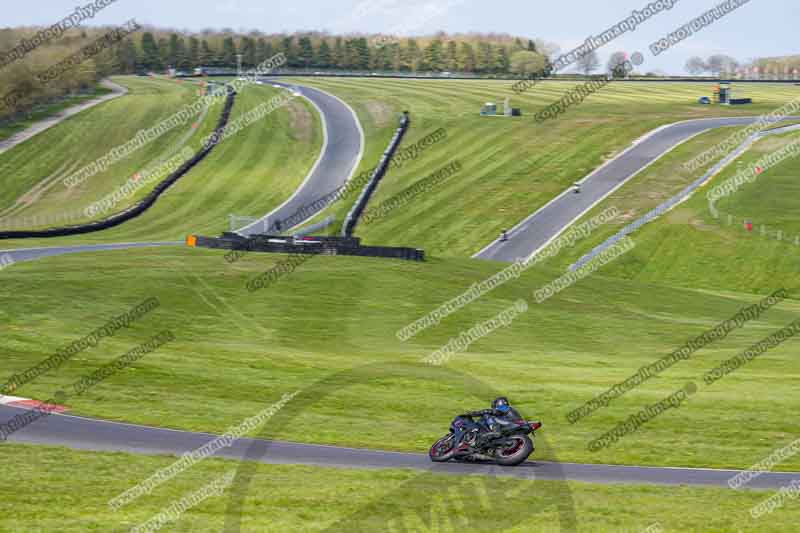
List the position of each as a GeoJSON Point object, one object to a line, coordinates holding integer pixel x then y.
{"type": "Point", "coordinates": [296, 498]}
{"type": "Point", "coordinates": [328, 329]}
{"type": "Point", "coordinates": [236, 350]}
{"type": "Point", "coordinates": [240, 176]}
{"type": "Point", "coordinates": [495, 189]}
{"type": "Point", "coordinates": [688, 247]}
{"type": "Point", "coordinates": [7, 129]}
{"type": "Point", "coordinates": [514, 166]}
{"type": "Point", "coordinates": [33, 172]}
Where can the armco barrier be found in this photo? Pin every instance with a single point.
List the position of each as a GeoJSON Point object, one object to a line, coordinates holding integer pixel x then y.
{"type": "Point", "coordinates": [139, 208]}
{"type": "Point", "coordinates": [380, 171]}
{"type": "Point", "coordinates": [307, 245]}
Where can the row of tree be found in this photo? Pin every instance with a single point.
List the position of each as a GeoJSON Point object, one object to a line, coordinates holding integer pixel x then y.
{"type": "Point", "coordinates": [723, 65]}
{"type": "Point", "coordinates": [589, 63]}
{"type": "Point", "coordinates": [779, 65]}
{"type": "Point", "coordinates": [158, 51]}
{"type": "Point", "coordinates": [714, 65]}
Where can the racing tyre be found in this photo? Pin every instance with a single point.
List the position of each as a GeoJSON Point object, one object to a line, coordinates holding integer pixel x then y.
{"type": "Point", "coordinates": [516, 453]}
{"type": "Point", "coordinates": [443, 449]}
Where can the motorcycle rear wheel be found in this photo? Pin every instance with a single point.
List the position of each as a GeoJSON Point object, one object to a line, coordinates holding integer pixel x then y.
{"type": "Point", "coordinates": [443, 449]}
{"type": "Point", "coordinates": [517, 453]}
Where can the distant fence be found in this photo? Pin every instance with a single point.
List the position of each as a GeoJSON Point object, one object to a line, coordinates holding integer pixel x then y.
{"type": "Point", "coordinates": [297, 72]}
{"type": "Point", "coordinates": [139, 208]}
{"type": "Point", "coordinates": [361, 204]}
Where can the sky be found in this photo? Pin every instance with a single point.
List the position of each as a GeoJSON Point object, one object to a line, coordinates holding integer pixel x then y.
{"type": "Point", "coordinates": [759, 28]}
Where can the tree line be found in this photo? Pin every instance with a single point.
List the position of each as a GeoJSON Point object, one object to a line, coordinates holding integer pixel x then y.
{"type": "Point", "coordinates": [155, 50]}
{"type": "Point", "coordinates": [715, 65]}
{"type": "Point", "coordinates": [474, 54]}
{"type": "Point", "coordinates": [782, 66]}
{"type": "Point", "coordinates": [724, 65]}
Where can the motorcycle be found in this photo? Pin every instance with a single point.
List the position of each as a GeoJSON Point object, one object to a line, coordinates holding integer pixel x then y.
{"type": "Point", "coordinates": [506, 442]}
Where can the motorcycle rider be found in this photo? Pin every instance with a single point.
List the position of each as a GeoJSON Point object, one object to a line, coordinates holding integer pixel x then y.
{"type": "Point", "coordinates": [500, 414]}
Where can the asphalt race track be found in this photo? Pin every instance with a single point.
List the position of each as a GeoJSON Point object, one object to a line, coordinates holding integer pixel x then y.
{"type": "Point", "coordinates": [96, 435]}
{"type": "Point", "coordinates": [30, 254]}
{"type": "Point", "coordinates": [341, 153]}
{"type": "Point", "coordinates": [547, 223]}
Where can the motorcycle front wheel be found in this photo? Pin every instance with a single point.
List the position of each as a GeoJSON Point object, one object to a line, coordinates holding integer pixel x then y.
{"type": "Point", "coordinates": [520, 448]}
{"type": "Point", "coordinates": [442, 450]}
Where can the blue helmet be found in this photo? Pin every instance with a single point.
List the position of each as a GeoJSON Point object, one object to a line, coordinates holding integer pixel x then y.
{"type": "Point", "coordinates": [501, 404]}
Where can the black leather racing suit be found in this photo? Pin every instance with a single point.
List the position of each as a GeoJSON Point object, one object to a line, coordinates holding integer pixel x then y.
{"type": "Point", "coordinates": [486, 422]}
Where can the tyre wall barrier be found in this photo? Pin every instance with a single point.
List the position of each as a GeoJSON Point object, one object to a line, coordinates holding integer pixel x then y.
{"type": "Point", "coordinates": [143, 205]}
{"type": "Point", "coordinates": [380, 171]}
{"type": "Point", "coordinates": [310, 245]}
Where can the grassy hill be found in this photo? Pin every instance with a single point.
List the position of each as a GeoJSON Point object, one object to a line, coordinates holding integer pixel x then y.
{"type": "Point", "coordinates": [248, 174]}
{"type": "Point", "coordinates": [688, 247]}
{"type": "Point", "coordinates": [339, 313]}
{"type": "Point", "coordinates": [511, 167]}
{"type": "Point", "coordinates": [297, 498]}
{"type": "Point", "coordinates": [329, 328]}
{"type": "Point", "coordinates": [236, 350]}
{"type": "Point", "coordinates": [9, 128]}
{"type": "Point", "coordinates": [32, 173]}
